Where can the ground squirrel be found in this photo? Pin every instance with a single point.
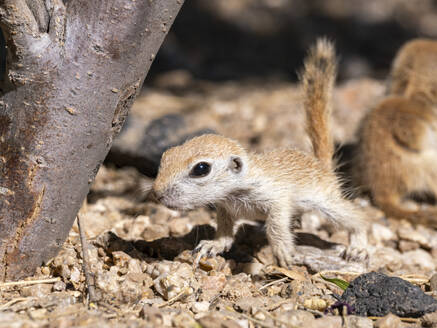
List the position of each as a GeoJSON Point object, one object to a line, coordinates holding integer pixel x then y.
{"type": "Point", "coordinates": [397, 151]}
{"type": "Point", "coordinates": [275, 186]}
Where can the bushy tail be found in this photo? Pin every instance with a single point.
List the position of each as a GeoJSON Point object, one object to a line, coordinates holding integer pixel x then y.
{"type": "Point", "coordinates": [318, 78]}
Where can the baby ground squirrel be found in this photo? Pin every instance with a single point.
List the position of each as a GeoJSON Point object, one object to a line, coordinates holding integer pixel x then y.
{"type": "Point", "coordinates": [275, 186]}
{"type": "Point", "coordinates": [397, 151]}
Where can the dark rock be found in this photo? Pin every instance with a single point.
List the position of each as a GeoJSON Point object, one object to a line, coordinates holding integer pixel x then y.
{"type": "Point", "coordinates": [375, 294]}
{"type": "Point", "coordinates": [141, 144]}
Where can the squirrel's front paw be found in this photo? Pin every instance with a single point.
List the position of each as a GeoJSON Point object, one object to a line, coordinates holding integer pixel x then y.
{"type": "Point", "coordinates": [211, 248]}
{"type": "Point", "coordinates": [355, 254]}
{"type": "Point", "coordinates": [284, 255]}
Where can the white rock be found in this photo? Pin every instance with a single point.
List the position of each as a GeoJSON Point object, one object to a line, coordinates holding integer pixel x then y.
{"type": "Point", "coordinates": [243, 323]}
{"type": "Point", "coordinates": [382, 233]}
{"type": "Point", "coordinates": [75, 275]}
{"type": "Point", "coordinates": [419, 258]}
{"type": "Point", "coordinates": [407, 233]}
{"type": "Point", "coordinates": [198, 307]}
{"type": "Point", "coordinates": [384, 257]}
{"type": "Point", "coordinates": [260, 316]}
{"type": "Point", "coordinates": [358, 322]}
{"type": "Point", "coordinates": [430, 234]}
{"type": "Point", "coordinates": [389, 321]}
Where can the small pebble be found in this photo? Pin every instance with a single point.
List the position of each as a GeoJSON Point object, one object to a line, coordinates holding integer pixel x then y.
{"type": "Point", "coordinates": [410, 234]}
{"type": "Point", "coordinates": [429, 320]}
{"type": "Point", "coordinates": [327, 322]}
{"type": "Point", "coordinates": [353, 321]}
{"type": "Point", "coordinates": [296, 318]}
{"type": "Point", "coordinates": [75, 275]}
{"type": "Point", "coordinates": [38, 314]}
{"type": "Point", "coordinates": [382, 233]}
{"type": "Point", "coordinates": [198, 307]}
{"type": "Point", "coordinates": [59, 286]}
{"type": "Point", "coordinates": [38, 290]}
{"type": "Point", "coordinates": [419, 258]}
{"type": "Point", "coordinates": [45, 271]}
{"type": "Point", "coordinates": [76, 293]}
{"type": "Point", "coordinates": [433, 282]}
{"type": "Point", "coordinates": [389, 321]}
{"type": "Point", "coordinates": [406, 246]}
{"type": "Point", "coordinates": [316, 303]}
{"type": "Point", "coordinates": [183, 319]}
{"type": "Point", "coordinates": [260, 316]}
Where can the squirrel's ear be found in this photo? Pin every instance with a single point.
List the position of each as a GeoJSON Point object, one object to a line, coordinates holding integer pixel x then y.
{"type": "Point", "coordinates": [236, 164]}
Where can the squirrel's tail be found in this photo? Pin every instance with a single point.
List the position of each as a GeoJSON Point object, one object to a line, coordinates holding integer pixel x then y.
{"type": "Point", "coordinates": [318, 78]}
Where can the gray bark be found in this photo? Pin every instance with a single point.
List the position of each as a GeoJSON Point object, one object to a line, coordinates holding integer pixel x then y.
{"type": "Point", "coordinates": [73, 69]}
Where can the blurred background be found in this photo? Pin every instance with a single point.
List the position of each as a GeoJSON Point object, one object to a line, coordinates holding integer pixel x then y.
{"type": "Point", "coordinates": [222, 40]}
{"type": "Point", "coordinates": [230, 67]}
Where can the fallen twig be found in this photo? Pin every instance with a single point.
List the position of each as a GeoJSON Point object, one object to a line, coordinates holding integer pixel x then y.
{"type": "Point", "coordinates": [315, 312]}
{"type": "Point", "coordinates": [344, 313]}
{"type": "Point", "coordinates": [29, 282]}
{"type": "Point", "coordinates": [337, 273]}
{"type": "Point", "coordinates": [89, 279]}
{"type": "Point", "coordinates": [14, 301]}
{"type": "Point", "coordinates": [273, 283]}
{"type": "Point", "coordinates": [294, 275]}
{"type": "Point", "coordinates": [412, 278]}
{"type": "Point", "coordinates": [175, 298]}
{"type": "Point", "coordinates": [277, 305]}
{"type": "Point", "coordinates": [415, 279]}
{"type": "Point", "coordinates": [410, 320]}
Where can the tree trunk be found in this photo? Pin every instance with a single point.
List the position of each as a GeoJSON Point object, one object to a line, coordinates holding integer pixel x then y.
{"type": "Point", "coordinates": [73, 69]}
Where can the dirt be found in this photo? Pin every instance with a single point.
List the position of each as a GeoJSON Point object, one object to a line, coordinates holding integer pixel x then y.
{"type": "Point", "coordinates": [140, 251]}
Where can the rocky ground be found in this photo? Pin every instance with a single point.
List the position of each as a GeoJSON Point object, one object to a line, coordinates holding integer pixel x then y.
{"type": "Point", "coordinates": [140, 251]}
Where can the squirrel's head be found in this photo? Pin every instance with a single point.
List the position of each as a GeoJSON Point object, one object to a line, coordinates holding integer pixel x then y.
{"type": "Point", "coordinates": [199, 172]}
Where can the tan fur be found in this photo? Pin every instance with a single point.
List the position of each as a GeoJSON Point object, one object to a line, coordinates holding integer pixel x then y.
{"type": "Point", "coordinates": [397, 153]}
{"type": "Point", "coordinates": [414, 71]}
{"type": "Point", "coordinates": [318, 81]}
{"type": "Point", "coordinates": [276, 186]}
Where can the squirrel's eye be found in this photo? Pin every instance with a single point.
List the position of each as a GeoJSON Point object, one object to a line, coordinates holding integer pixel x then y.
{"type": "Point", "coordinates": [200, 170]}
